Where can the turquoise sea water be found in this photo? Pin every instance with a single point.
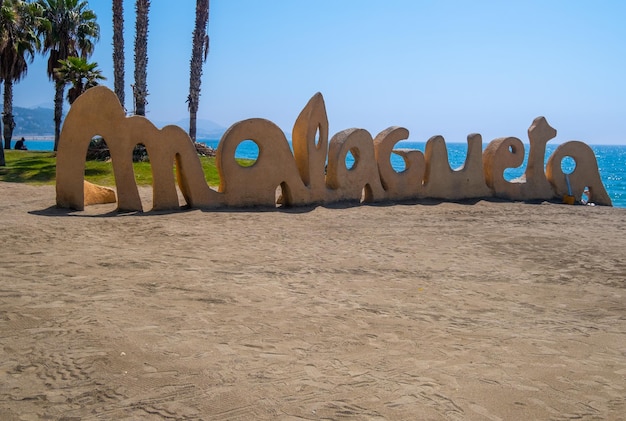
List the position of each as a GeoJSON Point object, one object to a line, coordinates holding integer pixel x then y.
{"type": "Point", "coordinates": [611, 161]}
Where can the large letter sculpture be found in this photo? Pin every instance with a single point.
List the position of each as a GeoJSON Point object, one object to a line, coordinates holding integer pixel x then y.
{"type": "Point", "coordinates": [316, 170]}
{"type": "Point", "coordinates": [99, 113]}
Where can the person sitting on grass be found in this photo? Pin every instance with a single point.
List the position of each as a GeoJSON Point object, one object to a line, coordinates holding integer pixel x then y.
{"type": "Point", "coordinates": [19, 145]}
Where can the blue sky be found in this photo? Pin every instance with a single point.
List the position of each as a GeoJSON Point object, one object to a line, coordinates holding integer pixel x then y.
{"type": "Point", "coordinates": [437, 67]}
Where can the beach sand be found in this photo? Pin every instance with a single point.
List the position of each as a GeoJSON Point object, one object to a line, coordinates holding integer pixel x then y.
{"type": "Point", "coordinates": [438, 311]}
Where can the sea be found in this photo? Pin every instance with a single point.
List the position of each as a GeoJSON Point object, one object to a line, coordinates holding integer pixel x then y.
{"type": "Point", "coordinates": [611, 160]}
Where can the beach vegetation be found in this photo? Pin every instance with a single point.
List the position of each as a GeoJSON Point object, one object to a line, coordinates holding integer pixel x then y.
{"type": "Point", "coordinates": [67, 28]}
{"type": "Point", "coordinates": [35, 167]}
{"type": "Point", "coordinates": [80, 74]}
{"type": "Point", "coordinates": [29, 167]}
{"type": "Point", "coordinates": [18, 44]}
{"type": "Point", "coordinates": [118, 50]}
{"type": "Point", "coordinates": [199, 53]}
{"type": "Point", "coordinates": [140, 89]}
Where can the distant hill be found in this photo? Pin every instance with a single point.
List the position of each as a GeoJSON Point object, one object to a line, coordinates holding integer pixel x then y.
{"type": "Point", "coordinates": [39, 121]}
{"type": "Point", "coordinates": [33, 121]}
{"type": "Point", "coordinates": [205, 129]}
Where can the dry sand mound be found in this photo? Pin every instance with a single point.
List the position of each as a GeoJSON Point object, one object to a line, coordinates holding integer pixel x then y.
{"type": "Point", "coordinates": [485, 311]}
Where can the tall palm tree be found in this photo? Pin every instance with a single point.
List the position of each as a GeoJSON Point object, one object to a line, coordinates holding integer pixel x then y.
{"type": "Point", "coordinates": [80, 74]}
{"type": "Point", "coordinates": [68, 28]}
{"type": "Point", "coordinates": [3, 43]}
{"type": "Point", "coordinates": [118, 49]}
{"type": "Point", "coordinates": [199, 52]}
{"type": "Point", "coordinates": [20, 43]}
{"type": "Point", "coordinates": [140, 90]}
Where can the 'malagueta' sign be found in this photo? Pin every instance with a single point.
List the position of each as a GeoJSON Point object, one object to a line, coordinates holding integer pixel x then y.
{"type": "Point", "coordinates": [316, 171]}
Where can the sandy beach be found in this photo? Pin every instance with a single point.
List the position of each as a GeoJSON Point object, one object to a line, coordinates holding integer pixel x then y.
{"type": "Point", "coordinates": [438, 311]}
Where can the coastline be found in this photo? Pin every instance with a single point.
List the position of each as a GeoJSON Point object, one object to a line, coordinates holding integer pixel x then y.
{"type": "Point", "coordinates": [429, 311]}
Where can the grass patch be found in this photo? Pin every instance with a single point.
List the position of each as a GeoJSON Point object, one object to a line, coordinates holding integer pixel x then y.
{"type": "Point", "coordinates": [28, 167]}
{"type": "Point", "coordinates": [35, 167]}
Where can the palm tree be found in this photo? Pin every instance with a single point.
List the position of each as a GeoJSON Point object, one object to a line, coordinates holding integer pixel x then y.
{"type": "Point", "coordinates": [118, 49]}
{"type": "Point", "coordinates": [140, 90]}
{"type": "Point", "coordinates": [199, 52]}
{"type": "Point", "coordinates": [68, 28]}
{"type": "Point", "coordinates": [19, 45]}
{"type": "Point", "coordinates": [3, 43]}
{"type": "Point", "coordinates": [80, 74]}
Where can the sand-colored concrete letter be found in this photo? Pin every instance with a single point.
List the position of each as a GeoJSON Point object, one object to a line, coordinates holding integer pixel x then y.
{"type": "Point", "coordinates": [361, 181]}
{"type": "Point", "coordinates": [508, 152]}
{"type": "Point", "coordinates": [399, 185]}
{"type": "Point", "coordinates": [537, 186]}
{"type": "Point", "coordinates": [98, 112]}
{"type": "Point", "coordinates": [585, 174]}
{"type": "Point", "coordinates": [442, 182]}
{"type": "Point", "coordinates": [309, 150]}
{"type": "Point", "coordinates": [275, 166]}
{"type": "Point", "coordinates": [500, 154]}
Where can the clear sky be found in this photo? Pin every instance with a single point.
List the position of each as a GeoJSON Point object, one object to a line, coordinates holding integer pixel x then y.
{"type": "Point", "coordinates": [433, 66]}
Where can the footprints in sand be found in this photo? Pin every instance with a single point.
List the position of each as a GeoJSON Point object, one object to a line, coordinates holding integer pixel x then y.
{"type": "Point", "coordinates": [442, 312]}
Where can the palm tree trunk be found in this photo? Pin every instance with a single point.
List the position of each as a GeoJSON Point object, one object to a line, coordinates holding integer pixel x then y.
{"type": "Point", "coordinates": [193, 122]}
{"type": "Point", "coordinates": [2, 159]}
{"type": "Point", "coordinates": [58, 111]}
{"type": "Point", "coordinates": [118, 49]}
{"type": "Point", "coordinates": [140, 90]}
{"type": "Point", "coordinates": [199, 49]}
{"type": "Point", "coordinates": [7, 118]}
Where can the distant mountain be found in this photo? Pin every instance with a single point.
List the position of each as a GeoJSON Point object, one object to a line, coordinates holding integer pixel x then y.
{"type": "Point", "coordinates": [40, 122]}
{"type": "Point", "coordinates": [205, 129]}
{"type": "Point", "coordinates": [33, 121]}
